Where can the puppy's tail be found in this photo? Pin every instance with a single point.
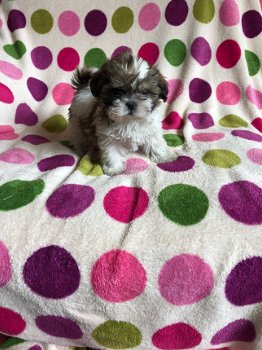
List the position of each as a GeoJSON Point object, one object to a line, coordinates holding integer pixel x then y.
{"type": "Point", "coordinates": [81, 77]}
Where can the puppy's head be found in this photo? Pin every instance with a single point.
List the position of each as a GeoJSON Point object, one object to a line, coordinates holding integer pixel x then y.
{"type": "Point", "coordinates": [127, 86]}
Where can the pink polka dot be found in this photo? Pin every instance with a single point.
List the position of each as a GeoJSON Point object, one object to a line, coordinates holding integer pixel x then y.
{"type": "Point", "coordinates": [1, 23]}
{"type": "Point", "coordinates": [10, 70]}
{"type": "Point", "coordinates": [229, 13]}
{"type": "Point", "coordinates": [228, 93]}
{"type": "Point", "coordinates": [11, 322]}
{"type": "Point", "coordinates": [185, 279]}
{"type": "Point", "coordinates": [149, 16]}
{"type": "Point", "coordinates": [254, 96]}
{"type": "Point", "coordinates": [173, 121]}
{"type": "Point", "coordinates": [63, 94]}
{"type": "Point", "coordinates": [68, 23]}
{"type": "Point", "coordinates": [135, 165]}
{"type": "Point", "coordinates": [41, 57]}
{"type": "Point", "coordinates": [118, 276]}
{"type": "Point", "coordinates": [17, 155]}
{"type": "Point", "coordinates": [149, 52]}
{"type": "Point", "coordinates": [125, 204]}
{"type": "Point", "coordinates": [7, 133]}
{"type": "Point", "coordinates": [6, 94]}
{"type": "Point", "coordinates": [255, 155]}
{"type": "Point", "coordinates": [175, 89]}
{"type": "Point", "coordinates": [68, 59]}
{"type": "Point", "coordinates": [5, 265]}
{"type": "Point", "coordinates": [176, 336]}
{"type": "Point", "coordinates": [228, 53]}
{"type": "Point", "coordinates": [257, 123]}
{"type": "Point", "coordinates": [208, 136]}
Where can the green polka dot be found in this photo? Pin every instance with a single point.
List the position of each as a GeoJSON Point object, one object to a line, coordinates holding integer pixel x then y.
{"type": "Point", "coordinates": [41, 21]}
{"type": "Point", "coordinates": [56, 123]}
{"type": "Point", "coordinates": [221, 158]}
{"type": "Point", "coordinates": [122, 19]}
{"type": "Point", "coordinates": [117, 335]}
{"type": "Point", "coordinates": [11, 342]}
{"type": "Point", "coordinates": [204, 10]}
{"type": "Point", "coordinates": [253, 62]}
{"type": "Point", "coordinates": [88, 168]}
{"type": "Point", "coordinates": [18, 193]}
{"type": "Point", "coordinates": [95, 58]}
{"type": "Point", "coordinates": [183, 204]}
{"type": "Point", "coordinates": [15, 50]}
{"type": "Point", "coordinates": [232, 121]}
{"type": "Point", "coordinates": [175, 52]}
{"type": "Point", "coordinates": [174, 140]}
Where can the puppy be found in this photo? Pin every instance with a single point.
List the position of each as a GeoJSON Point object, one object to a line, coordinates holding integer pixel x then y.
{"type": "Point", "coordinates": [115, 111]}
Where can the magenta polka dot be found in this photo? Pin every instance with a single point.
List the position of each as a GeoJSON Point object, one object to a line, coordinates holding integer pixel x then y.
{"type": "Point", "coordinates": [68, 59]}
{"type": "Point", "coordinates": [201, 51]}
{"type": "Point", "coordinates": [244, 283]}
{"type": "Point", "coordinates": [176, 12]}
{"type": "Point", "coordinates": [248, 135]}
{"type": "Point", "coordinates": [6, 94]}
{"type": "Point", "coordinates": [1, 23]}
{"type": "Point", "coordinates": [58, 326]}
{"type": "Point", "coordinates": [95, 22]}
{"type": "Point", "coordinates": [254, 96]}
{"type": "Point", "coordinates": [172, 121]}
{"type": "Point", "coordinates": [149, 52]}
{"type": "Point", "coordinates": [5, 265]}
{"type": "Point", "coordinates": [149, 16]}
{"type": "Point", "coordinates": [54, 162]}
{"type": "Point", "coordinates": [257, 123]}
{"type": "Point", "coordinates": [252, 23]}
{"type": "Point", "coordinates": [118, 276]}
{"type": "Point", "coordinates": [11, 322]}
{"type": "Point", "coordinates": [10, 70]}
{"type": "Point", "coordinates": [68, 23]}
{"type": "Point", "coordinates": [25, 115]}
{"type": "Point", "coordinates": [35, 139]}
{"type": "Point", "coordinates": [208, 136]}
{"type": "Point", "coordinates": [63, 94]}
{"type": "Point", "coordinates": [199, 90]}
{"type": "Point", "coordinates": [16, 20]}
{"type": "Point", "coordinates": [125, 204]}
{"type": "Point", "coordinates": [229, 13]}
{"type": "Point", "coordinates": [242, 201]}
{"type": "Point", "coordinates": [228, 53]}
{"type": "Point", "coordinates": [135, 165]}
{"type": "Point", "coordinates": [176, 337]}
{"type": "Point", "coordinates": [45, 263]}
{"type": "Point", "coordinates": [228, 93]}
{"type": "Point", "coordinates": [7, 133]}
{"type": "Point", "coordinates": [17, 155]}
{"type": "Point", "coordinates": [35, 347]}
{"type": "Point", "coordinates": [255, 155]}
{"type": "Point", "coordinates": [41, 57]}
{"type": "Point", "coordinates": [201, 120]}
{"type": "Point", "coordinates": [175, 89]}
{"type": "Point", "coordinates": [120, 50]}
{"type": "Point", "coordinates": [182, 163]}
{"type": "Point", "coordinates": [70, 200]}
{"type": "Point", "coordinates": [37, 88]}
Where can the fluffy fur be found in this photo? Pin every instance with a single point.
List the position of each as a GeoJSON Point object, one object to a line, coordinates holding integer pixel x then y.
{"type": "Point", "coordinates": [115, 111]}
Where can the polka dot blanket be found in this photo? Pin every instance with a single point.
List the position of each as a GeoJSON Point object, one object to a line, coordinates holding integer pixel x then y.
{"type": "Point", "coordinates": [164, 256]}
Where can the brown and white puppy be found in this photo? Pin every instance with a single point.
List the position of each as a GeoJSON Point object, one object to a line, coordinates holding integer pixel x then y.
{"type": "Point", "coordinates": [115, 111]}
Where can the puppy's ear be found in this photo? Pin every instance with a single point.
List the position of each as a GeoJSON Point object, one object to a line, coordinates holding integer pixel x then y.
{"type": "Point", "coordinates": [163, 88]}
{"type": "Point", "coordinates": [99, 79]}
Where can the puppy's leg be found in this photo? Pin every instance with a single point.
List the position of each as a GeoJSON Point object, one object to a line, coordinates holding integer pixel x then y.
{"type": "Point", "coordinates": [157, 150]}
{"type": "Point", "coordinates": [113, 156]}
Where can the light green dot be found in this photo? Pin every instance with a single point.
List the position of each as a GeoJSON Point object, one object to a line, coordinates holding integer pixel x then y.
{"type": "Point", "coordinates": [175, 52]}
{"type": "Point", "coordinates": [117, 335]}
{"type": "Point", "coordinates": [56, 123]}
{"type": "Point", "coordinates": [88, 168]}
{"type": "Point", "coordinates": [183, 204]}
{"type": "Point", "coordinates": [18, 193]}
{"type": "Point", "coordinates": [253, 62]}
{"type": "Point", "coordinates": [122, 19]}
{"type": "Point", "coordinates": [204, 10]}
{"type": "Point", "coordinates": [41, 21]}
{"type": "Point", "coordinates": [221, 158]}
{"type": "Point", "coordinates": [15, 50]}
{"type": "Point", "coordinates": [232, 121]}
{"type": "Point", "coordinates": [174, 140]}
{"type": "Point", "coordinates": [95, 58]}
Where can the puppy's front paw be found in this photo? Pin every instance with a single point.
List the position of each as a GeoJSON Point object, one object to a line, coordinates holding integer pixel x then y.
{"type": "Point", "coordinates": [113, 170]}
{"type": "Point", "coordinates": [163, 157]}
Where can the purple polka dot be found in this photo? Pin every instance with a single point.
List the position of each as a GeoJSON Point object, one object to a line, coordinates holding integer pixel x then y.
{"type": "Point", "coordinates": [201, 51]}
{"type": "Point", "coordinates": [41, 57]}
{"type": "Point", "coordinates": [55, 162]}
{"type": "Point", "coordinates": [176, 12]}
{"type": "Point", "coordinates": [201, 120]}
{"type": "Point", "coordinates": [35, 347]}
{"type": "Point", "coordinates": [58, 326]}
{"type": "Point", "coordinates": [25, 115]}
{"type": "Point", "coordinates": [37, 88]}
{"type": "Point", "coordinates": [35, 139]}
{"type": "Point", "coordinates": [70, 200]}
{"type": "Point", "coordinates": [120, 50]}
{"type": "Point", "coordinates": [252, 23]}
{"type": "Point", "coordinates": [16, 20]}
{"type": "Point", "coordinates": [244, 283]}
{"type": "Point", "coordinates": [95, 22]}
{"type": "Point", "coordinates": [182, 163]}
{"type": "Point", "coordinates": [52, 272]}
{"type": "Point", "coordinates": [242, 201]}
{"type": "Point", "coordinates": [199, 90]}
{"type": "Point", "coordinates": [248, 135]}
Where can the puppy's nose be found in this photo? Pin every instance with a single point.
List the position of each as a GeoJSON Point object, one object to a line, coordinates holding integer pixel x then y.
{"type": "Point", "coordinates": [131, 105]}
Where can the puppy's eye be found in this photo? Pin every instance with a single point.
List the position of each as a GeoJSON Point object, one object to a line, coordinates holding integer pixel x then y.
{"type": "Point", "coordinates": [142, 92]}
{"type": "Point", "coordinates": [118, 92]}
